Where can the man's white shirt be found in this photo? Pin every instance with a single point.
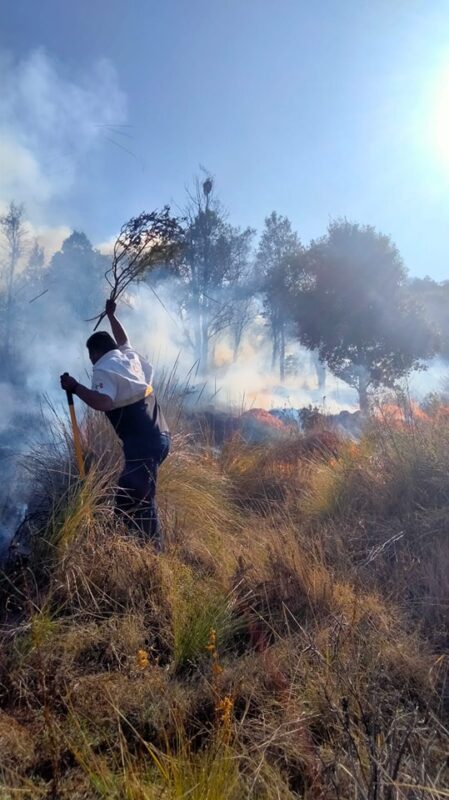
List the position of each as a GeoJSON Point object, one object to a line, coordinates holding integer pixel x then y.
{"type": "Point", "coordinates": [123, 375]}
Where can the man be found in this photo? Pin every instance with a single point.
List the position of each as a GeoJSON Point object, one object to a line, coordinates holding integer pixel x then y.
{"type": "Point", "coordinates": [122, 388]}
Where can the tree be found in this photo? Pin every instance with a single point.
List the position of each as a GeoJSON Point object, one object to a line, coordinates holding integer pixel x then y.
{"type": "Point", "coordinates": [278, 245]}
{"type": "Point", "coordinates": [351, 303]}
{"type": "Point", "coordinates": [244, 311]}
{"type": "Point", "coordinates": [319, 368]}
{"type": "Point", "coordinates": [75, 275]}
{"type": "Point", "coordinates": [145, 244]}
{"type": "Point", "coordinates": [13, 232]}
{"type": "Point", "coordinates": [215, 261]}
{"type": "Point", "coordinates": [36, 259]}
{"type": "Point", "coordinates": [33, 274]}
{"type": "Point", "coordinates": [434, 299]}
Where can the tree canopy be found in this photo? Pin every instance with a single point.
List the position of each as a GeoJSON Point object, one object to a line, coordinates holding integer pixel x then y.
{"type": "Point", "coordinates": [278, 245]}
{"type": "Point", "coordinates": [350, 301]}
{"type": "Point", "coordinates": [13, 235]}
{"type": "Point", "coordinates": [76, 275]}
{"type": "Point", "coordinates": [215, 260]}
{"type": "Point", "coordinates": [346, 296]}
{"type": "Point", "coordinates": [433, 297]}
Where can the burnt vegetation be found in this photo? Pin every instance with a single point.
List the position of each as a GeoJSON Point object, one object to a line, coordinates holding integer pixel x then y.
{"type": "Point", "coordinates": [291, 641]}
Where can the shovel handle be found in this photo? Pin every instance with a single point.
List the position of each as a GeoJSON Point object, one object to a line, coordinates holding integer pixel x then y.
{"type": "Point", "coordinates": [76, 435]}
{"type": "Point", "coordinates": [69, 394]}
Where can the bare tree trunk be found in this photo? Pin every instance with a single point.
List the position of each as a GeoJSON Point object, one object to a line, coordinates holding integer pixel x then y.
{"type": "Point", "coordinates": [204, 332]}
{"type": "Point", "coordinates": [12, 227]}
{"type": "Point", "coordinates": [196, 326]}
{"type": "Point", "coordinates": [321, 375]}
{"type": "Point", "coordinates": [362, 389]}
{"type": "Point", "coordinates": [320, 369]}
{"type": "Point", "coordinates": [9, 315]}
{"type": "Point", "coordinates": [236, 341]}
{"type": "Point", "coordinates": [237, 337]}
{"type": "Point", "coordinates": [275, 345]}
{"type": "Point", "coordinates": [282, 353]}
{"type": "Point", "coordinates": [9, 310]}
{"type": "Point", "coordinates": [195, 315]}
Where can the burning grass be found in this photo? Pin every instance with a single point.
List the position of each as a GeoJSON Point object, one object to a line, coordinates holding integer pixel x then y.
{"type": "Point", "coordinates": [290, 642]}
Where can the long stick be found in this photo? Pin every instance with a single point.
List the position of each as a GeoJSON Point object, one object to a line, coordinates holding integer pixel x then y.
{"type": "Point", "coordinates": [76, 436]}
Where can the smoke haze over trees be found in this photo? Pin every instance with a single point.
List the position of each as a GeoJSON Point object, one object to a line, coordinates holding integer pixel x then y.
{"type": "Point", "coordinates": [75, 275]}
{"type": "Point", "coordinates": [231, 306]}
{"type": "Point", "coordinates": [350, 300]}
{"type": "Point", "coordinates": [278, 245]}
{"type": "Point", "coordinates": [13, 232]}
{"type": "Point", "coordinates": [214, 266]}
{"type": "Point", "coordinates": [433, 297]}
{"type": "Point", "coordinates": [345, 297]}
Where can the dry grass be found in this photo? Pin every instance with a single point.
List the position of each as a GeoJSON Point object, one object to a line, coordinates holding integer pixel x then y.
{"type": "Point", "coordinates": [274, 650]}
{"type": "Point", "coordinates": [381, 510]}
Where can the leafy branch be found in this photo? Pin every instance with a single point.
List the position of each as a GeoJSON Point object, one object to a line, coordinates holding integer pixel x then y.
{"type": "Point", "coordinates": [144, 242]}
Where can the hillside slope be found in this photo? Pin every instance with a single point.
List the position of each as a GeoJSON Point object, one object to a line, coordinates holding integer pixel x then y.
{"type": "Point", "coordinates": [291, 641]}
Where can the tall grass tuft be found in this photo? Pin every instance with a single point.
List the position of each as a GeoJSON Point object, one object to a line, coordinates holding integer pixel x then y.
{"type": "Point", "coordinates": [290, 642]}
{"type": "Point", "coordinates": [198, 606]}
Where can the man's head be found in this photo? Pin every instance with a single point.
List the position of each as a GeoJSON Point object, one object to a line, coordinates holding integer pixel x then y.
{"type": "Point", "coordinates": [100, 343]}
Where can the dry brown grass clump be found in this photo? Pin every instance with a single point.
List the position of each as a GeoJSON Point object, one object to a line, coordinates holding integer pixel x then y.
{"type": "Point", "coordinates": [381, 510]}
{"type": "Point", "coordinates": [269, 476]}
{"type": "Point", "coordinates": [264, 654]}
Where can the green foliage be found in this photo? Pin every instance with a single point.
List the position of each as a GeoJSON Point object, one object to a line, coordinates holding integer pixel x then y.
{"type": "Point", "coordinates": [215, 260]}
{"type": "Point", "coordinates": [210, 774]}
{"type": "Point", "coordinates": [350, 302]}
{"type": "Point", "coordinates": [433, 297]}
{"type": "Point", "coordinates": [145, 242]}
{"type": "Point", "coordinates": [278, 246]}
{"type": "Point", "coordinates": [198, 607]}
{"type": "Point", "coordinates": [76, 274]}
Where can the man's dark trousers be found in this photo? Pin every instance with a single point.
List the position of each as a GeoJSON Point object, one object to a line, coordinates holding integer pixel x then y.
{"type": "Point", "coordinates": [136, 493]}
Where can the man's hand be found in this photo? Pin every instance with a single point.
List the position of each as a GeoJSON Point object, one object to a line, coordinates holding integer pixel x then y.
{"type": "Point", "coordinates": [100, 402]}
{"type": "Point", "coordinates": [68, 383]}
{"type": "Point", "coordinates": [117, 328]}
{"type": "Point", "coordinates": [110, 308]}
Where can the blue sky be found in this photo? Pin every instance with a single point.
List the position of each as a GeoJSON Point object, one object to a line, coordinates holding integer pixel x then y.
{"type": "Point", "coordinates": [314, 109]}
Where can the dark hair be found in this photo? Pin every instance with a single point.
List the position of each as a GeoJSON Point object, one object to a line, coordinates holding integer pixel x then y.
{"type": "Point", "coordinates": [102, 342]}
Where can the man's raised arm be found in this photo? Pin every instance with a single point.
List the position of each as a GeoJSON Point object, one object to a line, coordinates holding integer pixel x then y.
{"type": "Point", "coordinates": [117, 328]}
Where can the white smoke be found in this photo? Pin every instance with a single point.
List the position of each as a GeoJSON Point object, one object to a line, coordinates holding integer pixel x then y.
{"type": "Point", "coordinates": [155, 329]}
{"type": "Point", "coordinates": [434, 379]}
{"type": "Point", "coordinates": [8, 404]}
{"type": "Point", "coordinates": [49, 120]}
{"type": "Point", "coordinates": [157, 332]}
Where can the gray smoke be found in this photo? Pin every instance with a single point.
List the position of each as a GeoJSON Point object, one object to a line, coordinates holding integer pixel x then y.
{"type": "Point", "coordinates": [54, 341]}
{"type": "Point", "coordinates": [48, 123]}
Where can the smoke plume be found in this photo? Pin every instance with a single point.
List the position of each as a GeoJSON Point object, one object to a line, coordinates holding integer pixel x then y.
{"type": "Point", "coordinates": [49, 121]}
